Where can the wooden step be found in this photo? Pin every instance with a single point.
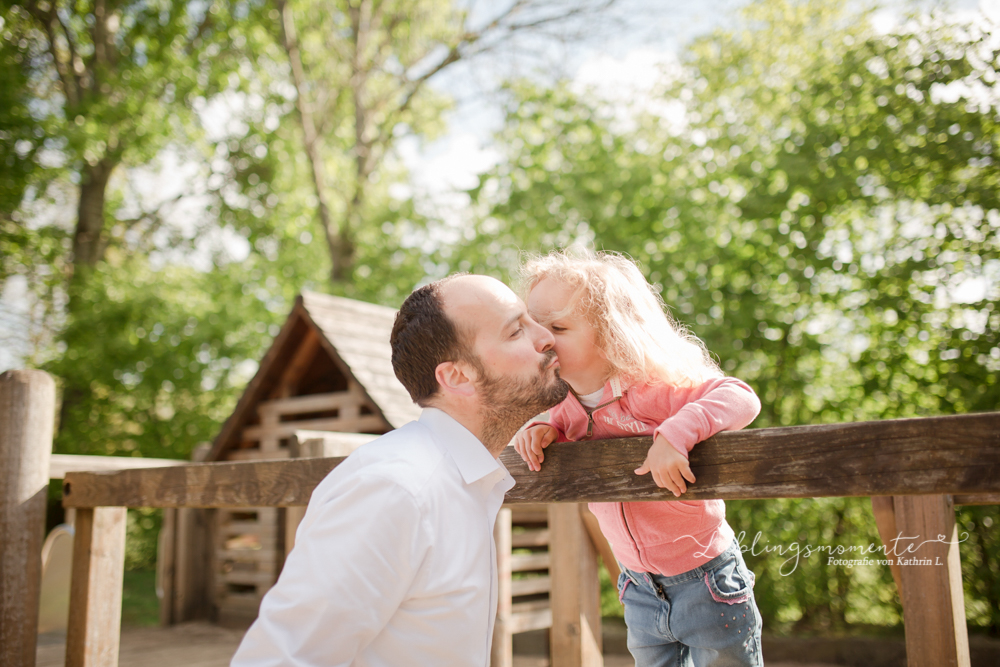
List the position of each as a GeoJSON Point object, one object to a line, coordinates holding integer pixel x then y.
{"type": "Point", "coordinates": [538, 537]}
{"type": "Point", "coordinates": [528, 513]}
{"type": "Point", "coordinates": [241, 527]}
{"type": "Point", "coordinates": [530, 586]}
{"type": "Point", "coordinates": [526, 562]}
{"type": "Point", "coordinates": [248, 555]}
{"type": "Point", "coordinates": [248, 578]}
{"type": "Point", "coordinates": [529, 619]}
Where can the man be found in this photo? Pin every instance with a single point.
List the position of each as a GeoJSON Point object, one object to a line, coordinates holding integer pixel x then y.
{"type": "Point", "coordinates": [394, 562]}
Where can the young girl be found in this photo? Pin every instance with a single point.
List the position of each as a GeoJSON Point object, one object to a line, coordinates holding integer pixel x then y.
{"type": "Point", "coordinates": [688, 595]}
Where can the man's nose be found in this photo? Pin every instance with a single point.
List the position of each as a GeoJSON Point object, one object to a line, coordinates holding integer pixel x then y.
{"type": "Point", "coordinates": [544, 340]}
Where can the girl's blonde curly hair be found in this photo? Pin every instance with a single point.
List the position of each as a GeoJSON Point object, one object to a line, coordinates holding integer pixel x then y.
{"type": "Point", "coordinates": [640, 340]}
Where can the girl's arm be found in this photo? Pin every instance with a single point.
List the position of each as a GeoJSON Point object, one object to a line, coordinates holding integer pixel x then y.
{"type": "Point", "coordinates": [695, 414]}
{"type": "Point", "coordinates": [698, 413]}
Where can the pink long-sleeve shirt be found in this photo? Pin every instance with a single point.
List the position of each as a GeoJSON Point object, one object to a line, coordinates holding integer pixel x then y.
{"type": "Point", "coordinates": [673, 536]}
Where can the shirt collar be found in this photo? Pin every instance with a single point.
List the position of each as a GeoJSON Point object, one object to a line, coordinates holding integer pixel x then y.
{"type": "Point", "coordinates": [614, 384]}
{"type": "Point", "coordinates": [474, 461]}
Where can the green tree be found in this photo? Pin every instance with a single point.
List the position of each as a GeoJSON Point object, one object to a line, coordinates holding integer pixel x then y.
{"type": "Point", "coordinates": [824, 217]}
{"type": "Point", "coordinates": [361, 71]}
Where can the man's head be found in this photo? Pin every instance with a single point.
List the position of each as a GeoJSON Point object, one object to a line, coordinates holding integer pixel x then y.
{"type": "Point", "coordinates": [466, 344]}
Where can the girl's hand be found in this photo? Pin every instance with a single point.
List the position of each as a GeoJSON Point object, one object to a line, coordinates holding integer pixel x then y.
{"type": "Point", "coordinates": [669, 467]}
{"type": "Point", "coordinates": [530, 442]}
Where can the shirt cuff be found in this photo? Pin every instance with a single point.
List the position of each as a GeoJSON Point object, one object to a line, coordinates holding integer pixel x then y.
{"type": "Point", "coordinates": [675, 437]}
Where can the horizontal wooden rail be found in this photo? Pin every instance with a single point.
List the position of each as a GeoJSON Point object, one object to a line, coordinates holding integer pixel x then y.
{"type": "Point", "coordinates": [60, 464]}
{"type": "Point", "coordinates": [935, 455]}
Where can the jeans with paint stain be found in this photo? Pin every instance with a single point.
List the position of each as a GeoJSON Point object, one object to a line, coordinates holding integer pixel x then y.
{"type": "Point", "coordinates": [705, 617]}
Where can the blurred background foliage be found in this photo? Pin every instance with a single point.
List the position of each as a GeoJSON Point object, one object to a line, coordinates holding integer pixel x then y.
{"type": "Point", "coordinates": [816, 199]}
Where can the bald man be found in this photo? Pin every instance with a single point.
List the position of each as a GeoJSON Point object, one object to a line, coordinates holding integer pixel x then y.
{"type": "Point", "coordinates": [394, 562]}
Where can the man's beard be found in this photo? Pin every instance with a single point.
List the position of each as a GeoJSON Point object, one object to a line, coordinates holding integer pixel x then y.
{"type": "Point", "coordinates": [508, 402]}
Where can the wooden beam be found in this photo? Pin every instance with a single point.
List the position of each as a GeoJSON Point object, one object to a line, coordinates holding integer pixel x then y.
{"type": "Point", "coordinates": [937, 455]}
{"type": "Point", "coordinates": [244, 484]}
{"type": "Point", "coordinates": [502, 648]}
{"type": "Point", "coordinates": [933, 601]}
{"type": "Point", "coordinates": [297, 405]}
{"type": "Point", "coordinates": [288, 429]}
{"type": "Point", "coordinates": [27, 417]}
{"type": "Point", "coordinates": [64, 463]}
{"type": "Point", "coordinates": [885, 522]}
{"type": "Point", "coordinates": [326, 444]}
{"type": "Point", "coordinates": [978, 499]}
{"type": "Point", "coordinates": [95, 599]}
{"type": "Point", "coordinates": [531, 538]}
{"type": "Point", "coordinates": [301, 360]}
{"type": "Point", "coordinates": [576, 594]}
{"type": "Point", "coordinates": [166, 553]}
{"type": "Point", "coordinates": [530, 586]}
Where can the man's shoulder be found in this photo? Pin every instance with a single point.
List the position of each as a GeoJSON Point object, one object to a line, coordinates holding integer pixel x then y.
{"type": "Point", "coordinates": [407, 457]}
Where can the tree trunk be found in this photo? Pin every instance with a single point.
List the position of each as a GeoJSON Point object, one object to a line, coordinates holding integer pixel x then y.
{"type": "Point", "coordinates": [310, 140]}
{"type": "Point", "coordinates": [89, 241]}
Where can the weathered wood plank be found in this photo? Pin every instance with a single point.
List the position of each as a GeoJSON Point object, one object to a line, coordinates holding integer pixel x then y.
{"type": "Point", "coordinates": [530, 586]}
{"type": "Point", "coordinates": [977, 499]}
{"type": "Point", "coordinates": [938, 455]}
{"type": "Point", "coordinates": [288, 429]}
{"type": "Point", "coordinates": [326, 444]}
{"type": "Point", "coordinates": [502, 648]}
{"type": "Point", "coordinates": [166, 553]}
{"type": "Point", "coordinates": [297, 405]}
{"type": "Point", "coordinates": [530, 619]}
{"type": "Point", "coordinates": [885, 521]}
{"type": "Point", "coordinates": [931, 573]}
{"type": "Point", "coordinates": [64, 463]}
{"type": "Point", "coordinates": [575, 595]}
{"type": "Point", "coordinates": [531, 538]}
{"type": "Point", "coordinates": [243, 484]}
{"type": "Point", "coordinates": [529, 562]}
{"type": "Point", "coordinates": [27, 416]}
{"type": "Point", "coordinates": [95, 599]}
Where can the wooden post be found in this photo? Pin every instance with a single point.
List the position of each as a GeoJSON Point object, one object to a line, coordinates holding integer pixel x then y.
{"type": "Point", "coordinates": [885, 521]}
{"type": "Point", "coordinates": [95, 599]}
{"type": "Point", "coordinates": [27, 417]}
{"type": "Point", "coordinates": [502, 651]}
{"type": "Point", "coordinates": [931, 573]}
{"type": "Point", "coordinates": [576, 604]}
{"type": "Point", "coordinates": [166, 554]}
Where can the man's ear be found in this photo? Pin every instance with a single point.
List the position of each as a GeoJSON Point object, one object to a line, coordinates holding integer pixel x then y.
{"type": "Point", "coordinates": [455, 377]}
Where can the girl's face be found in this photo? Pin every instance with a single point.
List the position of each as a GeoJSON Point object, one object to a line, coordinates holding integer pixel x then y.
{"type": "Point", "coordinates": [581, 363]}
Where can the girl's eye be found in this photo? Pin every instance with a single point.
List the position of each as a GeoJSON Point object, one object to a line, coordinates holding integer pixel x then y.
{"type": "Point", "coordinates": [558, 329]}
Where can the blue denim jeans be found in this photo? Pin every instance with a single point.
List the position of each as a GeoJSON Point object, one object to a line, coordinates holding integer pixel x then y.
{"type": "Point", "coordinates": [704, 617]}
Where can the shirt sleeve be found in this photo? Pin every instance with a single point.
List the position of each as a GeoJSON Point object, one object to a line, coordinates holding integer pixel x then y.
{"type": "Point", "coordinates": [723, 404]}
{"type": "Point", "coordinates": [356, 554]}
{"type": "Point", "coordinates": [553, 418]}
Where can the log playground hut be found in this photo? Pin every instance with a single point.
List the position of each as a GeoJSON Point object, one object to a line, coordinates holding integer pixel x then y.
{"type": "Point", "coordinates": [328, 369]}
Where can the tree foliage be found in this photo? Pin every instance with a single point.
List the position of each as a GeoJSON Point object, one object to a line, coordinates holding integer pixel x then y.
{"type": "Point", "coordinates": [817, 202]}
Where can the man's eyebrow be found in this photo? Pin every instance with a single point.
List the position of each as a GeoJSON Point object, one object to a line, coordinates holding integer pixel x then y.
{"type": "Point", "coordinates": [513, 320]}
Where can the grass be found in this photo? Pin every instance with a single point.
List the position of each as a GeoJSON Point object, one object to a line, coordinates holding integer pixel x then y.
{"type": "Point", "coordinates": [140, 606]}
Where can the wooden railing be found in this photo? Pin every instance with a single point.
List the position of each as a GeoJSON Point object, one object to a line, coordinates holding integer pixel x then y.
{"type": "Point", "coordinates": [926, 466]}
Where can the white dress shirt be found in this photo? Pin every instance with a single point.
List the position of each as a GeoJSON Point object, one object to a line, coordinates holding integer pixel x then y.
{"type": "Point", "coordinates": [394, 562]}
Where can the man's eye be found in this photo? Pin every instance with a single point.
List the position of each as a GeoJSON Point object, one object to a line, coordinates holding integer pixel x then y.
{"type": "Point", "coordinates": [517, 332]}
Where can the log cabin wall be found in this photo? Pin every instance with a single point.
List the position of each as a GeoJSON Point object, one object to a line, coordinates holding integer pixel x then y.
{"type": "Point", "coordinates": [310, 380]}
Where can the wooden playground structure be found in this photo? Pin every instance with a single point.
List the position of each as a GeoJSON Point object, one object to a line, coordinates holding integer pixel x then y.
{"type": "Point", "coordinates": [920, 468]}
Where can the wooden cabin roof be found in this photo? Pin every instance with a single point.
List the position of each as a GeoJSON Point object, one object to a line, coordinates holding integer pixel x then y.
{"type": "Point", "coordinates": [354, 339]}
